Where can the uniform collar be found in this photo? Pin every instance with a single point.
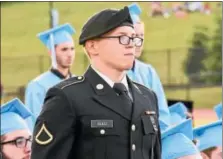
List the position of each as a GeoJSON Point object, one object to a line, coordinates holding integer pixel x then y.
{"type": "Point", "coordinates": [109, 81]}
{"type": "Point", "coordinates": [58, 74]}
{"type": "Point", "coordinates": [106, 96]}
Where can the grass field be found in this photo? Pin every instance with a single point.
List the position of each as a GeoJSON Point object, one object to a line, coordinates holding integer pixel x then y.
{"type": "Point", "coordinates": [20, 22]}
{"type": "Point", "coordinates": [202, 97]}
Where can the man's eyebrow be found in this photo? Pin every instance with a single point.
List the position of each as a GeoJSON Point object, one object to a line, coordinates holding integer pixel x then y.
{"type": "Point", "coordinates": [123, 33]}
{"type": "Point", "coordinates": [22, 137]}
{"type": "Point", "coordinates": [14, 138]}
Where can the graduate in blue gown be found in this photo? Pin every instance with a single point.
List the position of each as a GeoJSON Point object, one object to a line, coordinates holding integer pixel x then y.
{"type": "Point", "coordinates": [15, 135]}
{"type": "Point", "coordinates": [60, 45]}
{"type": "Point", "coordinates": [146, 75]}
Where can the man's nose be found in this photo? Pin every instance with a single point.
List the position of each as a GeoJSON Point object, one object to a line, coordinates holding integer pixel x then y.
{"type": "Point", "coordinates": [28, 147]}
{"type": "Point", "coordinates": [131, 44]}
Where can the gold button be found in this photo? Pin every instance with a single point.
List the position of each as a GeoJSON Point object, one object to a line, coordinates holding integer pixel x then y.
{"type": "Point", "coordinates": [133, 147]}
{"type": "Point", "coordinates": [79, 77]}
{"type": "Point", "coordinates": [133, 127]}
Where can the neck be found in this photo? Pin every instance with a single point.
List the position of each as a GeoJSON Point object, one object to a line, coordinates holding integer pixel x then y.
{"type": "Point", "coordinates": [112, 73]}
{"type": "Point", "coordinates": [63, 71]}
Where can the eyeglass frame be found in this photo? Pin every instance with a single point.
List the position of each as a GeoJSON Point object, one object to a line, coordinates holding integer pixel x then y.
{"type": "Point", "coordinates": [15, 141]}
{"type": "Point", "coordinates": [120, 36]}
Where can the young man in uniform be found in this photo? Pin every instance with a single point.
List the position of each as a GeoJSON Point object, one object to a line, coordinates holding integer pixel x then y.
{"type": "Point", "coordinates": [102, 114]}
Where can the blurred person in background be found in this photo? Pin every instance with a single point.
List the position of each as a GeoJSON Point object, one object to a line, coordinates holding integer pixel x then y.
{"type": "Point", "coordinates": [156, 9]}
{"type": "Point", "coordinates": [207, 8]}
{"type": "Point", "coordinates": [146, 74]}
{"type": "Point", "coordinates": [60, 45]}
{"type": "Point", "coordinates": [15, 134]}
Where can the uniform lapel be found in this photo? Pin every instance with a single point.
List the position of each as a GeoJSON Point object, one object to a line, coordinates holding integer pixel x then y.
{"type": "Point", "coordinates": [105, 95]}
{"type": "Point", "coordinates": [140, 102]}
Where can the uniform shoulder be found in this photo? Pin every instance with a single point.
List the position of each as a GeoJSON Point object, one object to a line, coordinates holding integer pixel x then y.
{"type": "Point", "coordinates": [70, 82]}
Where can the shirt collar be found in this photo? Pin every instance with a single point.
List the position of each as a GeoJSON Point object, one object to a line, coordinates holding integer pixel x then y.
{"type": "Point", "coordinates": [60, 75]}
{"type": "Point", "coordinates": [109, 81]}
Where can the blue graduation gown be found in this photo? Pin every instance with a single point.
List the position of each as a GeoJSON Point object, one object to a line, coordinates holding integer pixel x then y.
{"type": "Point", "coordinates": [35, 94]}
{"type": "Point", "coordinates": [146, 75]}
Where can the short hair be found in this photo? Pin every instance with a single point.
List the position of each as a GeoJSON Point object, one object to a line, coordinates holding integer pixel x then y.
{"type": "Point", "coordinates": [208, 151]}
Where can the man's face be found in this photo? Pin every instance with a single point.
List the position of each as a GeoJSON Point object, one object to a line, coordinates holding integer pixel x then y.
{"type": "Point", "coordinates": [113, 53]}
{"type": "Point", "coordinates": [65, 54]}
{"type": "Point", "coordinates": [21, 149]}
{"type": "Point", "coordinates": [139, 29]}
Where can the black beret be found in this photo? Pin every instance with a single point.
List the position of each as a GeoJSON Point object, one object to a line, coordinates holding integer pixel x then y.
{"type": "Point", "coordinates": [104, 22]}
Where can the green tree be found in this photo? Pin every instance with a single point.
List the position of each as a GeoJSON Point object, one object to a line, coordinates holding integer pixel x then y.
{"type": "Point", "coordinates": [213, 60]}
{"type": "Point", "coordinates": [193, 64]}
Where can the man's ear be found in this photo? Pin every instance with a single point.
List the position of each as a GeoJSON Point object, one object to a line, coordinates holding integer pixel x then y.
{"type": "Point", "coordinates": [91, 46]}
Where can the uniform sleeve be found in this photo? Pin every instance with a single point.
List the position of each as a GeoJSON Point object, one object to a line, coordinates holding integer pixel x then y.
{"type": "Point", "coordinates": [157, 87]}
{"type": "Point", "coordinates": [34, 97]}
{"type": "Point", "coordinates": [54, 133]}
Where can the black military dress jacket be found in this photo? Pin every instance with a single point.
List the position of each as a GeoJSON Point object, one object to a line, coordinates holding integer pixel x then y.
{"type": "Point", "coordinates": [84, 118]}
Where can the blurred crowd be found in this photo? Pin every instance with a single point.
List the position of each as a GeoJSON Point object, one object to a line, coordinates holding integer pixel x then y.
{"type": "Point", "coordinates": [180, 9]}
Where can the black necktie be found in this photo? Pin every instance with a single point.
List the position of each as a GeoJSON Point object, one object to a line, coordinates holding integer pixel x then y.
{"type": "Point", "coordinates": [122, 91]}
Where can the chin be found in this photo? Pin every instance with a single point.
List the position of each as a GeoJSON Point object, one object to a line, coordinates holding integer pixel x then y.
{"type": "Point", "coordinates": [137, 55]}
{"type": "Point", "coordinates": [67, 66]}
{"type": "Point", "coordinates": [127, 66]}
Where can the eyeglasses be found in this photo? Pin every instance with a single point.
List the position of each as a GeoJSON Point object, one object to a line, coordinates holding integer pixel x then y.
{"type": "Point", "coordinates": [125, 40]}
{"type": "Point", "coordinates": [19, 142]}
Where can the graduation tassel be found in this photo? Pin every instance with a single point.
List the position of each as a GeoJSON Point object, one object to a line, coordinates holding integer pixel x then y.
{"type": "Point", "coordinates": [53, 53]}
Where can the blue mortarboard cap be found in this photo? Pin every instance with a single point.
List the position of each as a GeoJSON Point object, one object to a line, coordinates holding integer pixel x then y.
{"type": "Point", "coordinates": [185, 127]}
{"type": "Point", "coordinates": [135, 11]}
{"type": "Point", "coordinates": [176, 146]}
{"type": "Point", "coordinates": [208, 136]}
{"type": "Point", "coordinates": [177, 141]}
{"type": "Point", "coordinates": [57, 35]}
{"type": "Point", "coordinates": [13, 115]}
{"type": "Point", "coordinates": [177, 113]}
{"type": "Point", "coordinates": [218, 110]}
